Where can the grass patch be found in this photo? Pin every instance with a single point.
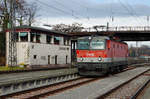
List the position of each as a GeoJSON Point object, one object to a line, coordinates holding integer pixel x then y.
{"type": "Point", "coordinates": [4, 68]}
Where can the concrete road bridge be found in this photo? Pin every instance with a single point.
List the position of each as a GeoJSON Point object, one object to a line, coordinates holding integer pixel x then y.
{"type": "Point", "coordinates": [124, 33]}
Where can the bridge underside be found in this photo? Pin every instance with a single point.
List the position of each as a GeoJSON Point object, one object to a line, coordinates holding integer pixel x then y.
{"type": "Point", "coordinates": [122, 35]}
{"type": "Point", "coordinates": [133, 36]}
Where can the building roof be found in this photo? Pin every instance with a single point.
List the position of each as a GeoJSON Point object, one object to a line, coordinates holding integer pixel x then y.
{"type": "Point", "coordinates": [41, 30]}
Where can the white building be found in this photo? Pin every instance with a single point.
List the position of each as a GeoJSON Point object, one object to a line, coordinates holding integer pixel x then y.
{"type": "Point", "coordinates": [38, 46]}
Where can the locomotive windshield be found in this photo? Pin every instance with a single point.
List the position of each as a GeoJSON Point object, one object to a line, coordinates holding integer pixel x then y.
{"type": "Point", "coordinates": [97, 44]}
{"type": "Point", "coordinates": [94, 43]}
{"type": "Point", "coordinates": [83, 44]}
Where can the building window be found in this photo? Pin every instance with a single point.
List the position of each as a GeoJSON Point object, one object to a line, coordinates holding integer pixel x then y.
{"type": "Point", "coordinates": [33, 35]}
{"type": "Point", "coordinates": [66, 41]}
{"type": "Point", "coordinates": [66, 59]}
{"type": "Point", "coordinates": [17, 36]}
{"type": "Point", "coordinates": [48, 38]}
{"type": "Point", "coordinates": [38, 38]}
{"type": "Point", "coordinates": [34, 56]}
{"type": "Point", "coordinates": [56, 40]}
{"type": "Point", "coordinates": [55, 59]}
{"type": "Point", "coordinates": [49, 59]}
{"type": "Point", "coordinates": [23, 36]}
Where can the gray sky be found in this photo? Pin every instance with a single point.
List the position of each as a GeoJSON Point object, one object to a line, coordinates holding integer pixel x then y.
{"type": "Point", "coordinates": [93, 12]}
{"type": "Point", "coordinates": [93, 8]}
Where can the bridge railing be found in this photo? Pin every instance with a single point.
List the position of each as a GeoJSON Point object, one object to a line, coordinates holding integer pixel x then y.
{"type": "Point", "coordinates": [128, 28]}
{"type": "Point", "coordinates": [120, 28]}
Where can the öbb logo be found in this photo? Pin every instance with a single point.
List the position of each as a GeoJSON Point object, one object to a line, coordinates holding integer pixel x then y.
{"type": "Point", "coordinates": [90, 54]}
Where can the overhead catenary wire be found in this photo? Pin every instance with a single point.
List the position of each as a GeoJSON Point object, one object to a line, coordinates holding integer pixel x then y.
{"type": "Point", "coordinates": [60, 10]}
{"type": "Point", "coordinates": [70, 9]}
{"type": "Point", "coordinates": [130, 12]}
{"type": "Point", "coordinates": [83, 6]}
{"type": "Point", "coordinates": [63, 11]}
{"type": "Point", "coordinates": [111, 13]}
{"type": "Point", "coordinates": [134, 12]}
{"type": "Point", "coordinates": [73, 13]}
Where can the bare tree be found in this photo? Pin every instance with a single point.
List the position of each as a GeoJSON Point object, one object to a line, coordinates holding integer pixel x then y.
{"type": "Point", "coordinates": [143, 50]}
{"type": "Point", "coordinates": [32, 10]}
{"type": "Point", "coordinates": [25, 13]}
{"type": "Point", "coordinates": [21, 12]}
{"type": "Point", "coordinates": [75, 27]}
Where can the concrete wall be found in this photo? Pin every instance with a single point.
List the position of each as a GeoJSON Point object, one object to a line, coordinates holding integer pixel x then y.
{"type": "Point", "coordinates": [43, 38]}
{"type": "Point", "coordinates": [37, 53]}
{"type": "Point", "coordinates": [43, 50]}
{"type": "Point", "coordinates": [23, 51]}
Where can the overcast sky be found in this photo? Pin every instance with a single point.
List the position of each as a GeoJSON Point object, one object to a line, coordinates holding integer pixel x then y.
{"type": "Point", "coordinates": [93, 12]}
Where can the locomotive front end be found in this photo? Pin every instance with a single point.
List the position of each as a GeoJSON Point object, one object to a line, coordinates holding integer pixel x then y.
{"type": "Point", "coordinates": [92, 56]}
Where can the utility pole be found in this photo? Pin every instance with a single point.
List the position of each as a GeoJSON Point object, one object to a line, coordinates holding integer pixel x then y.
{"type": "Point", "coordinates": [107, 27]}
{"type": "Point", "coordinates": [12, 54]}
{"type": "Point", "coordinates": [148, 21]}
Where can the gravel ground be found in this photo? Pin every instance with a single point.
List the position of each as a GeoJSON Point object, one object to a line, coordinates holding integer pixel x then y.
{"type": "Point", "coordinates": [145, 94]}
{"type": "Point", "coordinates": [129, 89]}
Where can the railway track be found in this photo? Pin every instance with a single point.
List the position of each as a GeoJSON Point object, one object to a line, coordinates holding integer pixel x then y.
{"type": "Point", "coordinates": [55, 88]}
{"type": "Point", "coordinates": [144, 92]}
{"type": "Point", "coordinates": [130, 89]}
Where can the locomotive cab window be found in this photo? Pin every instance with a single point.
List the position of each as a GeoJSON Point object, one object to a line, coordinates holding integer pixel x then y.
{"type": "Point", "coordinates": [97, 44]}
{"type": "Point", "coordinates": [83, 44]}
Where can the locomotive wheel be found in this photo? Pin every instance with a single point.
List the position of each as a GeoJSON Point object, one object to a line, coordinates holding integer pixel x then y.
{"type": "Point", "coordinates": [116, 69]}
{"type": "Point", "coordinates": [121, 68]}
{"type": "Point", "coordinates": [110, 70]}
{"type": "Point", "coordinates": [107, 72]}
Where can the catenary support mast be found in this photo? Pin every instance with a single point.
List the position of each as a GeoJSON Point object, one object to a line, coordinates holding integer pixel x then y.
{"type": "Point", "coordinates": [12, 57]}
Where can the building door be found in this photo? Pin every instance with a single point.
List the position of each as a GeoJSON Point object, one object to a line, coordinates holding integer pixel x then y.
{"type": "Point", "coordinates": [66, 59]}
{"type": "Point", "coordinates": [55, 59]}
{"type": "Point", "coordinates": [73, 50]}
{"type": "Point", "coordinates": [49, 59]}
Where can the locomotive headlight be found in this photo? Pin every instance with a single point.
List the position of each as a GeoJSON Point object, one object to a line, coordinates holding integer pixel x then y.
{"type": "Point", "coordinates": [81, 59]}
{"type": "Point", "coordinates": [99, 59]}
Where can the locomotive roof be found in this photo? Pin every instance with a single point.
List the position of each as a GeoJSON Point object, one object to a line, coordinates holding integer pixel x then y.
{"type": "Point", "coordinates": [100, 37]}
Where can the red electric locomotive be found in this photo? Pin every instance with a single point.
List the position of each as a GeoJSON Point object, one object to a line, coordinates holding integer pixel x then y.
{"type": "Point", "coordinates": [99, 55]}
